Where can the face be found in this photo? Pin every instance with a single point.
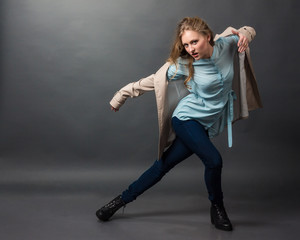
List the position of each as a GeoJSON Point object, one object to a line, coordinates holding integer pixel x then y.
{"type": "Point", "coordinates": [196, 44]}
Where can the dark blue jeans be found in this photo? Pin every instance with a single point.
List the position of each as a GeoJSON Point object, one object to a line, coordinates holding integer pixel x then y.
{"type": "Point", "coordinates": [191, 137]}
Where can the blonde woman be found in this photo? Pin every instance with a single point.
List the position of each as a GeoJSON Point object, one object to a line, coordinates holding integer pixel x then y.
{"type": "Point", "coordinates": [202, 73]}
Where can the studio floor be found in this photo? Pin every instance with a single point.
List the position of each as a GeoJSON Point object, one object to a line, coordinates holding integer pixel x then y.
{"type": "Point", "coordinates": [62, 210]}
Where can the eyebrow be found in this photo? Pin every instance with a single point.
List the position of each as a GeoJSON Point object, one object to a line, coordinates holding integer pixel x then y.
{"type": "Point", "coordinates": [193, 40]}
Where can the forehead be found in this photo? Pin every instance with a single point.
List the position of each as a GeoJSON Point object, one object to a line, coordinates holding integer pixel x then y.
{"type": "Point", "coordinates": [190, 35]}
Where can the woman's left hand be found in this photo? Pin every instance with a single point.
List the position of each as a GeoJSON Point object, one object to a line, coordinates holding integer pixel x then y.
{"type": "Point", "coordinates": [243, 41]}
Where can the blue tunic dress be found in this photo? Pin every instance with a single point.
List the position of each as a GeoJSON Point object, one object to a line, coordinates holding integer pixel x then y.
{"type": "Point", "coordinates": [210, 101]}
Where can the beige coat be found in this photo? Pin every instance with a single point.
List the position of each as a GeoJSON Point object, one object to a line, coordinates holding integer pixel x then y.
{"type": "Point", "coordinates": [168, 94]}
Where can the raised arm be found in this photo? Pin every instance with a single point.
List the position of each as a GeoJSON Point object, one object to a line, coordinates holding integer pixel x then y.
{"type": "Point", "coordinates": [243, 41]}
{"type": "Point", "coordinates": [246, 34]}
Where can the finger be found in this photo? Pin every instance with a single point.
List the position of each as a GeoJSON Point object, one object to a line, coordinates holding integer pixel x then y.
{"type": "Point", "coordinates": [239, 42]}
{"type": "Point", "coordinates": [243, 48]}
{"type": "Point", "coordinates": [242, 41]}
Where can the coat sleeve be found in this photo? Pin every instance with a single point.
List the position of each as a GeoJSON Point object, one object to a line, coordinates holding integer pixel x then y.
{"type": "Point", "coordinates": [248, 32]}
{"type": "Point", "coordinates": [132, 90]}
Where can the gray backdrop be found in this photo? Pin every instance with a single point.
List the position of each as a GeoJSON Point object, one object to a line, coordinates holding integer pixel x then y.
{"type": "Point", "coordinates": [61, 62]}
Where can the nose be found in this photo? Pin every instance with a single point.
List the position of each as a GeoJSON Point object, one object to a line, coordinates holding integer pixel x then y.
{"type": "Point", "coordinates": [191, 48]}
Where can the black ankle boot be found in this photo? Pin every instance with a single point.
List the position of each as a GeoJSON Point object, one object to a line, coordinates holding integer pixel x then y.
{"type": "Point", "coordinates": [109, 209]}
{"type": "Point", "coordinates": [219, 217]}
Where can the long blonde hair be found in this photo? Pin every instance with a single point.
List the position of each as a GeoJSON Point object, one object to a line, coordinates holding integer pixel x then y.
{"type": "Point", "coordinates": [178, 50]}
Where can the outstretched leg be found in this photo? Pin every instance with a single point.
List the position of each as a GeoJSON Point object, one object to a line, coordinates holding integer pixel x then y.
{"type": "Point", "coordinates": [176, 153]}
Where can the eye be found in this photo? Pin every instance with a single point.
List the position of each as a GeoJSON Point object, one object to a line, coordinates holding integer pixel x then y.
{"type": "Point", "coordinates": [185, 45]}
{"type": "Point", "coordinates": [194, 42]}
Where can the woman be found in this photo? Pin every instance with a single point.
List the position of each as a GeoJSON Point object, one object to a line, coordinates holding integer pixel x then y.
{"type": "Point", "coordinates": [206, 68]}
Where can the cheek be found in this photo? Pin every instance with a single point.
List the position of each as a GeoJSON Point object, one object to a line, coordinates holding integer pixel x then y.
{"type": "Point", "coordinates": [201, 45]}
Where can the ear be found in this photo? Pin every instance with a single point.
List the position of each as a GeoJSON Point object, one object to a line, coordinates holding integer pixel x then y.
{"type": "Point", "coordinates": [208, 37]}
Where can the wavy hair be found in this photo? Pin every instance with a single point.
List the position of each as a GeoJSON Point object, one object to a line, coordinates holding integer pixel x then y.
{"type": "Point", "coordinates": [178, 50]}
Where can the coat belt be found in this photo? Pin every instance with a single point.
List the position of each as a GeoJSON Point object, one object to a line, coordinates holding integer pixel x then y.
{"type": "Point", "coordinates": [231, 98]}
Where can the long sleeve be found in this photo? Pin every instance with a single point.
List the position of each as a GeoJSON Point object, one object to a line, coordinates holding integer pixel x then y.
{"type": "Point", "coordinates": [133, 89]}
{"type": "Point", "coordinates": [249, 32]}
{"type": "Point", "coordinates": [176, 72]}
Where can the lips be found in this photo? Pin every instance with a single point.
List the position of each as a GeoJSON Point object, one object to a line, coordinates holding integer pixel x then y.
{"type": "Point", "coordinates": [195, 55]}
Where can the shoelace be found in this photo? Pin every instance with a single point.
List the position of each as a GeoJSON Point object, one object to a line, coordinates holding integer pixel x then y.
{"type": "Point", "coordinates": [113, 203]}
{"type": "Point", "coordinates": [221, 213]}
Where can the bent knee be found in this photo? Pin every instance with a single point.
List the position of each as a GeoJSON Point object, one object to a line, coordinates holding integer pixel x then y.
{"type": "Point", "coordinates": [215, 162]}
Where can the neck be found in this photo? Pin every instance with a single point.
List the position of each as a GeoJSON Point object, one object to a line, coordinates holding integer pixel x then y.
{"type": "Point", "coordinates": [210, 51]}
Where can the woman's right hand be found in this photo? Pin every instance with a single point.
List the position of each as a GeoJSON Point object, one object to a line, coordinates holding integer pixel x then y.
{"type": "Point", "coordinates": [114, 109]}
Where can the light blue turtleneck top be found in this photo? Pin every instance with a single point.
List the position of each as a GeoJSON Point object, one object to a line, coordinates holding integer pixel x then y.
{"type": "Point", "coordinates": [210, 101]}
